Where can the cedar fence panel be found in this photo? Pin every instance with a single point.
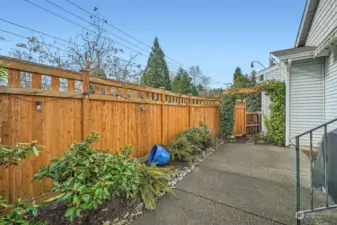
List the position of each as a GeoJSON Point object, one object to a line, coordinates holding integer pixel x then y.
{"type": "Point", "coordinates": [73, 104]}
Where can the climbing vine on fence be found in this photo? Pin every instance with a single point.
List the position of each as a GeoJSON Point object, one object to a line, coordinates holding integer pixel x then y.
{"type": "Point", "coordinates": [227, 114]}
{"type": "Point", "coordinates": [276, 122]}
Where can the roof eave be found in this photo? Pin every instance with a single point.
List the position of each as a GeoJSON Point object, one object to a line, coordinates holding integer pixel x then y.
{"type": "Point", "coordinates": [267, 70]}
{"type": "Point", "coordinates": [300, 56]}
{"type": "Point", "coordinates": [307, 18]}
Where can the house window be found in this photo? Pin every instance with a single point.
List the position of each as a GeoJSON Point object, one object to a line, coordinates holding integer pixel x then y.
{"type": "Point", "coordinates": [136, 94]}
{"type": "Point", "coordinates": [3, 77]}
{"type": "Point", "coordinates": [46, 82]}
{"type": "Point", "coordinates": [92, 88]}
{"type": "Point", "coordinates": [25, 80]}
{"type": "Point", "coordinates": [63, 84]}
{"type": "Point", "coordinates": [129, 93]}
{"type": "Point", "coordinates": [78, 86]}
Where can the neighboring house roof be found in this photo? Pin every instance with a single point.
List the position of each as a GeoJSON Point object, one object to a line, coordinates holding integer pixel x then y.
{"type": "Point", "coordinates": [293, 51]}
{"type": "Point", "coordinates": [307, 18]}
{"type": "Point", "coordinates": [267, 70]}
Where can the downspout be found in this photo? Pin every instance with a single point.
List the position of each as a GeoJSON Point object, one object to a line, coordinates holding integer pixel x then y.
{"type": "Point", "coordinates": [324, 75]}
{"type": "Point", "coordinates": [287, 67]}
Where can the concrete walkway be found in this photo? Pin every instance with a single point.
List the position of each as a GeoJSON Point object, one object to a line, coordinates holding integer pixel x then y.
{"type": "Point", "coordinates": [237, 184]}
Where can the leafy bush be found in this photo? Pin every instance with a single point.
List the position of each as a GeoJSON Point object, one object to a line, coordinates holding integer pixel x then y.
{"type": "Point", "coordinates": [10, 156]}
{"type": "Point", "coordinates": [87, 176]}
{"type": "Point", "coordinates": [276, 123]}
{"type": "Point", "coordinates": [205, 138]}
{"type": "Point", "coordinates": [181, 149]}
{"type": "Point", "coordinates": [153, 181]}
{"type": "Point", "coordinates": [20, 213]}
{"type": "Point", "coordinates": [227, 115]}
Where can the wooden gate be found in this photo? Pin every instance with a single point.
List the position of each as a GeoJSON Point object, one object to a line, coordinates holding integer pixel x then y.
{"type": "Point", "coordinates": [246, 123]}
{"type": "Point", "coordinates": [240, 118]}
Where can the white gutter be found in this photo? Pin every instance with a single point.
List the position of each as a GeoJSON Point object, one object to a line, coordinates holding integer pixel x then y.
{"type": "Point", "coordinates": [299, 56]}
{"type": "Point", "coordinates": [286, 67]}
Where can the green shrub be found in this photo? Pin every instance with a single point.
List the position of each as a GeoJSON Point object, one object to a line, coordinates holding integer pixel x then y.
{"type": "Point", "coordinates": [205, 138]}
{"type": "Point", "coordinates": [194, 139]}
{"type": "Point", "coordinates": [227, 115]}
{"type": "Point", "coordinates": [208, 141]}
{"type": "Point", "coordinates": [10, 156]}
{"type": "Point", "coordinates": [276, 122]}
{"type": "Point", "coordinates": [153, 181]}
{"type": "Point", "coordinates": [20, 213]}
{"type": "Point", "coordinates": [181, 149]}
{"type": "Point", "coordinates": [87, 176]}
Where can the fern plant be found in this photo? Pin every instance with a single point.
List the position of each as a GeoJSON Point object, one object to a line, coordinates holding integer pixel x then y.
{"type": "Point", "coordinates": [199, 137]}
{"type": "Point", "coordinates": [153, 181]}
{"type": "Point", "coordinates": [194, 139]}
{"type": "Point", "coordinates": [181, 149]}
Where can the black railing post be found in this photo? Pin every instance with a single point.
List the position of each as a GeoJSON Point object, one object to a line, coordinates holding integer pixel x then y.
{"type": "Point", "coordinates": [312, 190]}
{"type": "Point", "coordinates": [326, 174]}
{"type": "Point", "coordinates": [298, 183]}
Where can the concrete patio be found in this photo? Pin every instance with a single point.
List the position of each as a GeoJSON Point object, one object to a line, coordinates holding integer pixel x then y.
{"type": "Point", "coordinates": [237, 184]}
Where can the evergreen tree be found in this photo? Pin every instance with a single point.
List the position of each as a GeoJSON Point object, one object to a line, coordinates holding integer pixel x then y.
{"type": "Point", "coordinates": [237, 73]}
{"type": "Point", "coordinates": [182, 82]}
{"type": "Point", "coordinates": [157, 73]}
{"type": "Point", "coordinates": [240, 80]}
{"type": "Point", "coordinates": [194, 91]}
{"type": "Point", "coordinates": [253, 99]}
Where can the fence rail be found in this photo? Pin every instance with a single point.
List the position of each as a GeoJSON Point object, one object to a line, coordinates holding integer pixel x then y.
{"type": "Point", "coordinates": [73, 103]}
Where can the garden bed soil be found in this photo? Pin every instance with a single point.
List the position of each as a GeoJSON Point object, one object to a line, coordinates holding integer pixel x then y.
{"type": "Point", "coordinates": [53, 214]}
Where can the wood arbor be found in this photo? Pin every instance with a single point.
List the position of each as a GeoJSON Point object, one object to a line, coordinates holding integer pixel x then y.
{"type": "Point", "coordinates": [246, 123]}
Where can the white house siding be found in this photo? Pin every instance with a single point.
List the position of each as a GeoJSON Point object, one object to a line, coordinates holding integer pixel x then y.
{"type": "Point", "coordinates": [306, 99]}
{"type": "Point", "coordinates": [276, 75]}
{"type": "Point", "coordinates": [324, 22]}
{"type": "Point", "coordinates": [331, 88]}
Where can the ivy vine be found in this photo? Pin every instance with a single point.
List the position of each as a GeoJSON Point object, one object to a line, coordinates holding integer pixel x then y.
{"type": "Point", "coordinates": [227, 114]}
{"type": "Point", "coordinates": [275, 124]}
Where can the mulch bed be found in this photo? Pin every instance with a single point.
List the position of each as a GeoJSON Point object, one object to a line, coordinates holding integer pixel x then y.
{"type": "Point", "coordinates": [53, 214]}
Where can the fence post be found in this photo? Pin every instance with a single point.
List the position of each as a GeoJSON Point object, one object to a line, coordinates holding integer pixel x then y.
{"type": "Point", "coordinates": [190, 111]}
{"type": "Point", "coordinates": [162, 114]}
{"type": "Point", "coordinates": [85, 103]}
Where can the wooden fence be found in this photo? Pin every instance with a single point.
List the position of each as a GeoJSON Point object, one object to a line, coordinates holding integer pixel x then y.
{"type": "Point", "coordinates": [73, 104]}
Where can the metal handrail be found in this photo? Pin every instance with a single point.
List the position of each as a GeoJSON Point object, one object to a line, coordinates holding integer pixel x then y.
{"type": "Point", "coordinates": [299, 213]}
